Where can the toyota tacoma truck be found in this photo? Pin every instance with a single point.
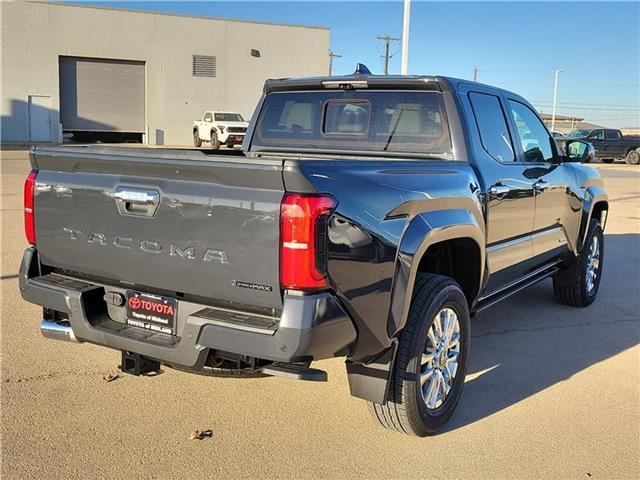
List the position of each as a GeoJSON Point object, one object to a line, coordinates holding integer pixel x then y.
{"type": "Point", "coordinates": [219, 128]}
{"type": "Point", "coordinates": [610, 144]}
{"type": "Point", "coordinates": [367, 217]}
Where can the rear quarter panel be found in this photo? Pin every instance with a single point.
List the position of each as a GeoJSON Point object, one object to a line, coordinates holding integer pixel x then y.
{"type": "Point", "coordinates": [387, 212]}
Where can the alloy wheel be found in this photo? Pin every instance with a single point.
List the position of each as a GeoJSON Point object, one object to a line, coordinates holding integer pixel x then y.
{"type": "Point", "coordinates": [593, 265]}
{"type": "Point", "coordinates": [440, 358]}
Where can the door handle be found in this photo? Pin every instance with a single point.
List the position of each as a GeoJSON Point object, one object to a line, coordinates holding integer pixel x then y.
{"type": "Point", "coordinates": [499, 190]}
{"type": "Point", "coordinates": [132, 201]}
{"type": "Point", "coordinates": [146, 197]}
{"type": "Point", "coordinates": [540, 186]}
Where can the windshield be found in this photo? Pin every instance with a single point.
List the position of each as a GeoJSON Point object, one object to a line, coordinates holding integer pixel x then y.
{"type": "Point", "coordinates": [366, 121]}
{"type": "Point", "coordinates": [229, 117]}
{"type": "Point", "coordinates": [581, 133]}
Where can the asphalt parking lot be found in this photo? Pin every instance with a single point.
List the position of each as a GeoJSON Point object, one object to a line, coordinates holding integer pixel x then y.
{"type": "Point", "coordinates": [553, 392]}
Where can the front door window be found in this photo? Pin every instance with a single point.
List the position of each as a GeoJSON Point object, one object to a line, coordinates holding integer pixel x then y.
{"type": "Point", "coordinates": [533, 136]}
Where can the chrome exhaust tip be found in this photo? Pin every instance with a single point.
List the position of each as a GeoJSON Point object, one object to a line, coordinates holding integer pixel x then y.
{"type": "Point", "coordinates": [60, 330]}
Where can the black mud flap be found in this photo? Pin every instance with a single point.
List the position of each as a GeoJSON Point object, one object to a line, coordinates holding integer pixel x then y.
{"type": "Point", "coordinates": [371, 381]}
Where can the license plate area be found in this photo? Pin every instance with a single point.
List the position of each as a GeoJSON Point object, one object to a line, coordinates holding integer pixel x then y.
{"type": "Point", "coordinates": [151, 312]}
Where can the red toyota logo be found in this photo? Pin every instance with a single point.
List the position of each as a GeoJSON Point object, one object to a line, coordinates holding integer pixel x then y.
{"type": "Point", "coordinates": [134, 303]}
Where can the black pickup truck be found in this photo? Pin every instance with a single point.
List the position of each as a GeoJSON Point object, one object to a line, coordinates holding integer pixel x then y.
{"type": "Point", "coordinates": [610, 144]}
{"type": "Point", "coordinates": [368, 217]}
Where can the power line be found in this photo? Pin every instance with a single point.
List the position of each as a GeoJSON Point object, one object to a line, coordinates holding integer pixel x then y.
{"type": "Point", "coordinates": [387, 39]}
{"type": "Point", "coordinates": [358, 45]}
{"type": "Point", "coordinates": [582, 103]}
{"type": "Point", "coordinates": [586, 72]}
{"type": "Point", "coordinates": [569, 107]}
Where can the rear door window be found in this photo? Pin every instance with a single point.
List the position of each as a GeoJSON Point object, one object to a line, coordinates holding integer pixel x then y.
{"type": "Point", "coordinates": [492, 126]}
{"type": "Point", "coordinates": [613, 135]}
{"type": "Point", "coordinates": [354, 120]}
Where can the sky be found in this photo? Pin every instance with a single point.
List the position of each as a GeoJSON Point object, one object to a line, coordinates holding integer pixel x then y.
{"type": "Point", "coordinates": [514, 45]}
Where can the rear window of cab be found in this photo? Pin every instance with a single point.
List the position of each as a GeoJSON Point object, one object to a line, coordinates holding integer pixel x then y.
{"type": "Point", "coordinates": [354, 120]}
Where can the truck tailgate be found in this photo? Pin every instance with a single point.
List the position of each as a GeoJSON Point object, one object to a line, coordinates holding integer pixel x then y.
{"type": "Point", "coordinates": [180, 222]}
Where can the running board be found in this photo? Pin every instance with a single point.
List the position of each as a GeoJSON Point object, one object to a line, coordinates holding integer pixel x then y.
{"type": "Point", "coordinates": [490, 301]}
{"type": "Point", "coordinates": [295, 371]}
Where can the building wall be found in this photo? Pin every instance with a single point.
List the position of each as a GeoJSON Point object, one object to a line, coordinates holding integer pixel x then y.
{"type": "Point", "coordinates": [34, 35]}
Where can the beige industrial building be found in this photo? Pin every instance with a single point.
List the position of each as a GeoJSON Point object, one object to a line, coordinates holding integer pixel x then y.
{"type": "Point", "coordinates": [89, 72]}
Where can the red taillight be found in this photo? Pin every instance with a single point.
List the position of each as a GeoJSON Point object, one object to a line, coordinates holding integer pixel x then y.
{"type": "Point", "coordinates": [303, 239]}
{"type": "Point", "coordinates": [29, 223]}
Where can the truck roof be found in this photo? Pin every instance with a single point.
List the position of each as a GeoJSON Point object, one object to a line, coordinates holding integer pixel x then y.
{"type": "Point", "coordinates": [362, 74]}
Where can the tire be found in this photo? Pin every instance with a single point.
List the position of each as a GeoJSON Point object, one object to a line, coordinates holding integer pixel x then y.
{"type": "Point", "coordinates": [406, 411]}
{"type": "Point", "coordinates": [572, 286]}
{"type": "Point", "coordinates": [632, 158]}
{"type": "Point", "coordinates": [196, 139]}
{"type": "Point", "coordinates": [607, 160]}
{"type": "Point", "coordinates": [215, 143]}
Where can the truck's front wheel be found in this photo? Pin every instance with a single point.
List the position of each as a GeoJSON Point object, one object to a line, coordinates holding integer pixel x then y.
{"type": "Point", "coordinates": [577, 285]}
{"type": "Point", "coordinates": [215, 143]}
{"type": "Point", "coordinates": [431, 362]}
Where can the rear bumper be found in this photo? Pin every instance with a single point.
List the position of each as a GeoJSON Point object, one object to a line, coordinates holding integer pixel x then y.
{"type": "Point", "coordinates": [311, 327]}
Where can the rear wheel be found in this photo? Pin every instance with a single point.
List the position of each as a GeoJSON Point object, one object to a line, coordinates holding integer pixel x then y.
{"type": "Point", "coordinates": [431, 362]}
{"type": "Point", "coordinates": [578, 284]}
{"type": "Point", "coordinates": [632, 158]}
{"type": "Point", "coordinates": [196, 139]}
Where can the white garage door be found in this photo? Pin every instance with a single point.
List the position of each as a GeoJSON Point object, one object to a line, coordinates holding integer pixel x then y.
{"type": "Point", "coordinates": [102, 95]}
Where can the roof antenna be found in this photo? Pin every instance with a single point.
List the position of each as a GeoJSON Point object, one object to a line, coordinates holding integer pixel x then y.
{"type": "Point", "coordinates": [361, 69]}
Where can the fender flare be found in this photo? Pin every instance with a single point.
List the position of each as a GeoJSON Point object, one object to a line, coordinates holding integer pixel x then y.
{"type": "Point", "coordinates": [593, 194]}
{"type": "Point", "coordinates": [425, 230]}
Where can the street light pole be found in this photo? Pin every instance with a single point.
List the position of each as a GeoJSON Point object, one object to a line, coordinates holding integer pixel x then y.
{"type": "Point", "coordinates": [555, 96]}
{"type": "Point", "coordinates": [405, 37]}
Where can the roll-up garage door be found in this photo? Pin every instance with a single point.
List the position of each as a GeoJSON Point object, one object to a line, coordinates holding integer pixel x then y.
{"type": "Point", "coordinates": [102, 95]}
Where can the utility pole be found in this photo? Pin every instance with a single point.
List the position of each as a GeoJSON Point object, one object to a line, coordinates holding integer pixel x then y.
{"type": "Point", "coordinates": [555, 96]}
{"type": "Point", "coordinates": [387, 39]}
{"type": "Point", "coordinates": [331, 57]}
{"type": "Point", "coordinates": [405, 37]}
{"type": "Point", "coordinates": [475, 73]}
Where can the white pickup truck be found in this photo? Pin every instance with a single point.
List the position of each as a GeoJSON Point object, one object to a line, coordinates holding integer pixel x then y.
{"type": "Point", "coordinates": [219, 128]}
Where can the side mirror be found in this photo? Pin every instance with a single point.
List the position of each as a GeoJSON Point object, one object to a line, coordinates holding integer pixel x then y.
{"type": "Point", "coordinates": [579, 151]}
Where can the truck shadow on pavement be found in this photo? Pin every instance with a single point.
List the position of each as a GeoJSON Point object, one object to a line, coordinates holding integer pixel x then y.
{"type": "Point", "coordinates": [530, 342]}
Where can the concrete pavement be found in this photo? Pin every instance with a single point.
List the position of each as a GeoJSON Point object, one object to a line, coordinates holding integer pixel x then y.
{"type": "Point", "coordinates": [553, 392]}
